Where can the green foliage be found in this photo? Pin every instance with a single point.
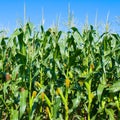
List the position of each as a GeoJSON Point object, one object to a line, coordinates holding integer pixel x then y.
{"type": "Point", "coordinates": [59, 75]}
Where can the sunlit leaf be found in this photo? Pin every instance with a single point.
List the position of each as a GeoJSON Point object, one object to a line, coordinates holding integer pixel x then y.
{"type": "Point", "coordinates": [23, 98]}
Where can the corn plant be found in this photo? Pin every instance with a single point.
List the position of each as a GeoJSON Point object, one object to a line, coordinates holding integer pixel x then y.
{"type": "Point", "coordinates": [57, 75]}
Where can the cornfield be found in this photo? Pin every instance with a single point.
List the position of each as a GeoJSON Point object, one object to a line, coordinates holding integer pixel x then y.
{"type": "Point", "coordinates": [56, 75]}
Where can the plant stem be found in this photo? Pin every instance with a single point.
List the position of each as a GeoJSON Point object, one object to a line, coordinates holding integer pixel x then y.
{"type": "Point", "coordinates": [41, 82]}
{"type": "Point", "coordinates": [88, 86]}
{"type": "Point", "coordinates": [89, 97]}
{"type": "Point", "coordinates": [30, 105]}
{"type": "Point", "coordinates": [66, 105]}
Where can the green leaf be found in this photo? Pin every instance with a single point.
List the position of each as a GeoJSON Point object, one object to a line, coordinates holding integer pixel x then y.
{"type": "Point", "coordinates": [110, 113]}
{"type": "Point", "coordinates": [23, 97]}
{"type": "Point", "coordinates": [56, 106]}
{"type": "Point", "coordinates": [42, 29]}
{"type": "Point", "coordinates": [115, 87]}
{"type": "Point", "coordinates": [14, 114]}
{"type": "Point", "coordinates": [21, 43]}
{"type": "Point", "coordinates": [59, 34]}
{"type": "Point", "coordinates": [20, 58]}
{"type": "Point", "coordinates": [75, 29]}
{"type": "Point", "coordinates": [1, 64]}
{"type": "Point", "coordinates": [76, 101]}
{"type": "Point", "coordinates": [15, 71]}
{"type": "Point", "coordinates": [100, 91]}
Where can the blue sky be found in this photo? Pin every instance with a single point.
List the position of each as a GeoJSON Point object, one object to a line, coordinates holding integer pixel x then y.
{"type": "Point", "coordinates": [12, 11]}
